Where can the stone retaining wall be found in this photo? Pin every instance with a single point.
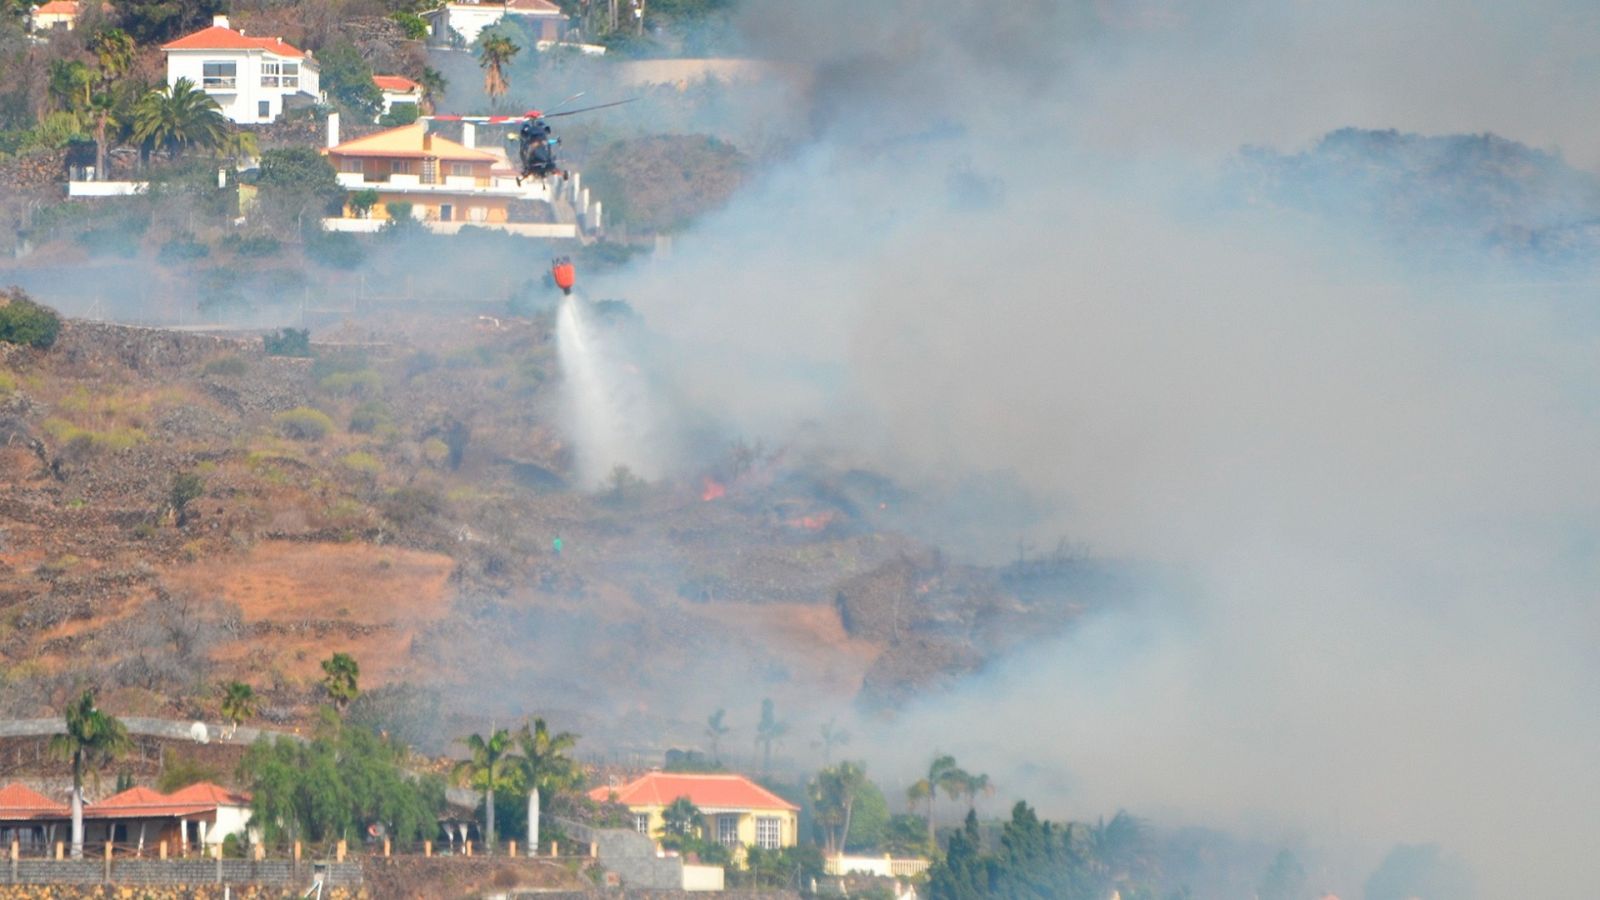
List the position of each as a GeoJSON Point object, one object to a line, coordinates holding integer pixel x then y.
{"type": "Point", "coordinates": [174, 872]}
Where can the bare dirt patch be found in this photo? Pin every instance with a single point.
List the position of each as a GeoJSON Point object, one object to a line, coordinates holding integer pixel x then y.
{"type": "Point", "coordinates": [355, 598]}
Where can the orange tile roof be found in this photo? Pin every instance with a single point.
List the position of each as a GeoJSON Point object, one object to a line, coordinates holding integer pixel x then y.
{"type": "Point", "coordinates": [18, 801]}
{"type": "Point", "coordinates": [704, 791]}
{"type": "Point", "coordinates": [206, 792]}
{"type": "Point", "coordinates": [409, 142]}
{"type": "Point", "coordinates": [142, 802]}
{"type": "Point", "coordinates": [397, 83]}
{"type": "Point", "coordinates": [218, 38]}
{"type": "Point", "coordinates": [536, 7]}
{"type": "Point", "coordinates": [58, 8]}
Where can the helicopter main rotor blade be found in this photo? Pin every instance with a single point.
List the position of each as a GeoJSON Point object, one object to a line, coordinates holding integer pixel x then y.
{"type": "Point", "coordinates": [573, 112]}
{"type": "Point", "coordinates": [566, 101]}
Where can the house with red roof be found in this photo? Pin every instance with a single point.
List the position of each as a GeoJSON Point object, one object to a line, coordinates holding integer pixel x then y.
{"type": "Point", "coordinates": [199, 816]}
{"type": "Point", "coordinates": [29, 817]}
{"type": "Point", "coordinates": [61, 14]}
{"type": "Point", "coordinates": [397, 89]}
{"type": "Point", "coordinates": [737, 812]}
{"type": "Point", "coordinates": [251, 78]}
{"type": "Point", "coordinates": [462, 21]}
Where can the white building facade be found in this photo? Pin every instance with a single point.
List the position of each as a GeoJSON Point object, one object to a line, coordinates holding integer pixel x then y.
{"type": "Point", "coordinates": [250, 78]}
{"type": "Point", "coordinates": [468, 18]}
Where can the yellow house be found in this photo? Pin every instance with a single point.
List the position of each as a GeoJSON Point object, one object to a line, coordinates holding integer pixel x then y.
{"type": "Point", "coordinates": [442, 180]}
{"type": "Point", "coordinates": [738, 812]}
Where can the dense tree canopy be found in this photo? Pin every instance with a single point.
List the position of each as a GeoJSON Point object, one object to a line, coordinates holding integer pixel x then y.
{"type": "Point", "coordinates": [159, 21]}
{"type": "Point", "coordinates": [332, 788]}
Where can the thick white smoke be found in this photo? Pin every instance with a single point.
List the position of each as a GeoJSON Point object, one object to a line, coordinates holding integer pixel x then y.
{"type": "Point", "coordinates": [1381, 492]}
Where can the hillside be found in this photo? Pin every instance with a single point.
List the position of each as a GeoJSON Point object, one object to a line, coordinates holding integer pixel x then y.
{"type": "Point", "coordinates": [398, 500]}
{"type": "Point", "coordinates": [1465, 195]}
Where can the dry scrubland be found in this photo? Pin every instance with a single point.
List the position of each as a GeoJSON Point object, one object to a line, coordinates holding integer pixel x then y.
{"type": "Point", "coordinates": [396, 500]}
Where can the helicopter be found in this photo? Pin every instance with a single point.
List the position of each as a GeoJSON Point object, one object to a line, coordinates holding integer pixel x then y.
{"type": "Point", "coordinates": [536, 142]}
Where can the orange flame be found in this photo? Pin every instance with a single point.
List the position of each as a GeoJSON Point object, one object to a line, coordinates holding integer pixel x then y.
{"type": "Point", "coordinates": [711, 489]}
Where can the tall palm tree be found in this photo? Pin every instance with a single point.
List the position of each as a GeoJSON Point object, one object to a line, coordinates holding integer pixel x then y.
{"type": "Point", "coordinates": [832, 736]}
{"type": "Point", "coordinates": [715, 729]}
{"type": "Point", "coordinates": [113, 48]}
{"type": "Point", "coordinates": [972, 786]}
{"type": "Point", "coordinates": [341, 679]}
{"type": "Point", "coordinates": [545, 767]}
{"type": "Point", "coordinates": [769, 730]}
{"type": "Point", "coordinates": [495, 53]}
{"type": "Point", "coordinates": [238, 704]}
{"type": "Point", "coordinates": [943, 774]}
{"type": "Point", "coordinates": [92, 740]}
{"type": "Point", "coordinates": [489, 765]}
{"type": "Point", "coordinates": [178, 117]}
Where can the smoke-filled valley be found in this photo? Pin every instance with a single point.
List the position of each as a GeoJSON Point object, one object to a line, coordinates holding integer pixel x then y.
{"type": "Point", "coordinates": [1158, 407]}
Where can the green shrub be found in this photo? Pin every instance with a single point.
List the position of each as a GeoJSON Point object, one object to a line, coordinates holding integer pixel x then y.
{"type": "Point", "coordinates": [364, 383]}
{"type": "Point", "coordinates": [288, 342]}
{"type": "Point", "coordinates": [8, 384]}
{"type": "Point", "coordinates": [85, 440]}
{"type": "Point", "coordinates": [335, 249]}
{"type": "Point", "coordinates": [182, 248]}
{"type": "Point", "coordinates": [369, 416]}
{"type": "Point", "coordinates": [109, 242]}
{"type": "Point", "coordinates": [23, 321]}
{"type": "Point", "coordinates": [411, 505]}
{"type": "Point", "coordinates": [257, 245]}
{"type": "Point", "coordinates": [399, 114]}
{"type": "Point", "coordinates": [331, 361]}
{"type": "Point", "coordinates": [363, 463]}
{"type": "Point", "coordinates": [304, 423]}
{"type": "Point", "coordinates": [230, 365]}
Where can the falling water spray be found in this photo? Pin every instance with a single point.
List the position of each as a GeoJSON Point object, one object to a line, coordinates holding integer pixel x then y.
{"type": "Point", "coordinates": [606, 399]}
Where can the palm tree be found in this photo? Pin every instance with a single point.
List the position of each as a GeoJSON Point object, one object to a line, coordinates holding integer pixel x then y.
{"type": "Point", "coordinates": [178, 117]}
{"type": "Point", "coordinates": [92, 740]}
{"type": "Point", "coordinates": [487, 767]}
{"type": "Point", "coordinates": [972, 786]}
{"type": "Point", "coordinates": [768, 730]}
{"type": "Point", "coordinates": [545, 767]}
{"type": "Point", "coordinates": [943, 774]}
{"type": "Point", "coordinates": [715, 729]}
{"type": "Point", "coordinates": [238, 704]}
{"type": "Point", "coordinates": [71, 83]}
{"type": "Point", "coordinates": [340, 679]}
{"type": "Point", "coordinates": [832, 736]}
{"type": "Point", "coordinates": [495, 53]}
{"type": "Point", "coordinates": [114, 50]}
{"type": "Point", "coordinates": [433, 86]}
{"type": "Point", "coordinates": [833, 794]}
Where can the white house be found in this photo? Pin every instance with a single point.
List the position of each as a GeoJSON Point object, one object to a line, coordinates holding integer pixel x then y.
{"type": "Point", "coordinates": [468, 18]}
{"type": "Point", "coordinates": [249, 77]}
{"type": "Point", "coordinates": [398, 89]}
{"type": "Point", "coordinates": [56, 14]}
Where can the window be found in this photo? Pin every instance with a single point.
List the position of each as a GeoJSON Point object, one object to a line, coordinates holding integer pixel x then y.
{"type": "Point", "coordinates": [447, 212]}
{"type": "Point", "coordinates": [769, 832]}
{"type": "Point", "coordinates": [350, 164]}
{"type": "Point", "coordinates": [280, 74]}
{"type": "Point", "coordinates": [641, 823]}
{"type": "Point", "coordinates": [461, 170]}
{"type": "Point", "coordinates": [728, 830]}
{"type": "Point", "coordinates": [219, 76]}
{"type": "Point", "coordinates": [400, 167]}
{"type": "Point", "coordinates": [477, 213]}
{"type": "Point", "coordinates": [263, 109]}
